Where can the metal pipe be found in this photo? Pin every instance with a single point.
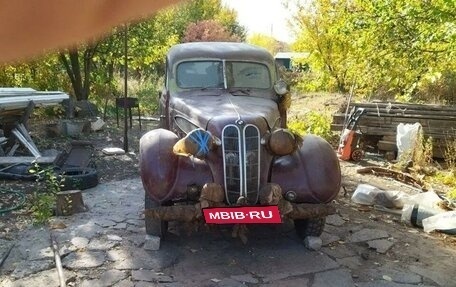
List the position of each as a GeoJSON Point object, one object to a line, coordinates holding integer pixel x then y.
{"type": "Point", "coordinates": [125, 87]}
{"type": "Point", "coordinates": [6, 255]}
{"type": "Point", "coordinates": [58, 261]}
{"type": "Point", "coordinates": [25, 142]}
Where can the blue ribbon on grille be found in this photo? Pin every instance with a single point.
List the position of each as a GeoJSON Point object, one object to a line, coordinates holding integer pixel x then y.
{"type": "Point", "coordinates": [201, 138]}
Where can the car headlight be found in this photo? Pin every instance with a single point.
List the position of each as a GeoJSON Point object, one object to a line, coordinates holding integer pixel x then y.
{"type": "Point", "coordinates": [282, 142]}
{"type": "Point", "coordinates": [196, 143]}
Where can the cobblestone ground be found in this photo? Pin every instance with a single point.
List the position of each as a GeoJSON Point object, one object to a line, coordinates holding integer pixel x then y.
{"type": "Point", "coordinates": [107, 246]}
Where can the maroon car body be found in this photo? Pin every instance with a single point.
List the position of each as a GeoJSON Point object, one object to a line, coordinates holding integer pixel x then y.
{"type": "Point", "coordinates": [227, 91]}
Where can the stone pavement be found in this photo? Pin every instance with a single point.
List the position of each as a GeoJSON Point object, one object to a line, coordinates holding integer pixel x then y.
{"type": "Point", "coordinates": [107, 246]}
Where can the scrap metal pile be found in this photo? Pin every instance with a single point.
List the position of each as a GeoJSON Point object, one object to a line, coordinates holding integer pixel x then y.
{"type": "Point", "coordinates": [18, 151]}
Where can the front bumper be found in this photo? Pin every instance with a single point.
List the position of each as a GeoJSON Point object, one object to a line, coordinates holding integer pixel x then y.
{"type": "Point", "coordinates": [212, 195]}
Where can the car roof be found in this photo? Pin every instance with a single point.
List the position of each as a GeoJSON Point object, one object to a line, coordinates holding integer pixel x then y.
{"type": "Point", "coordinates": [218, 50]}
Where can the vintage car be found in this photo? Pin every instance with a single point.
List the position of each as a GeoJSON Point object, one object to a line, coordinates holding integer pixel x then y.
{"type": "Point", "coordinates": [223, 154]}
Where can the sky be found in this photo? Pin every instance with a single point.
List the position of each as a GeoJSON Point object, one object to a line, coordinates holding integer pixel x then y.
{"type": "Point", "coordinates": [267, 17]}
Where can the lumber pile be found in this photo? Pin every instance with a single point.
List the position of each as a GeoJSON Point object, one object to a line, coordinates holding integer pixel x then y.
{"type": "Point", "coordinates": [381, 119]}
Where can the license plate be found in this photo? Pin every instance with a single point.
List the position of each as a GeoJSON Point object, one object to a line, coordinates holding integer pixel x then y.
{"type": "Point", "coordinates": [242, 215]}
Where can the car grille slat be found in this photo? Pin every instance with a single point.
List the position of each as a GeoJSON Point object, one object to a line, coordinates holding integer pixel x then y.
{"type": "Point", "coordinates": [252, 162]}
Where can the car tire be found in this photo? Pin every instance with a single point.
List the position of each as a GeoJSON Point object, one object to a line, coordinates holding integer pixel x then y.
{"type": "Point", "coordinates": [78, 178]}
{"type": "Point", "coordinates": [154, 227]}
{"type": "Point", "coordinates": [309, 227]}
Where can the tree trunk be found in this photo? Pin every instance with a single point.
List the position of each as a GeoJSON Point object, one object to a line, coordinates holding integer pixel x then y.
{"type": "Point", "coordinates": [80, 77]}
{"type": "Point", "coordinates": [87, 71]}
{"type": "Point", "coordinates": [69, 202]}
{"type": "Point", "coordinates": [71, 62]}
{"type": "Point", "coordinates": [76, 70]}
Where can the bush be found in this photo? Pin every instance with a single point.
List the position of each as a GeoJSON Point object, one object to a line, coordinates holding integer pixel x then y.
{"type": "Point", "coordinates": [314, 82]}
{"type": "Point", "coordinates": [452, 194]}
{"type": "Point", "coordinates": [43, 203]}
{"type": "Point", "coordinates": [313, 123]}
{"type": "Point", "coordinates": [439, 89]}
{"type": "Point", "coordinates": [147, 94]}
{"type": "Point", "coordinates": [450, 154]}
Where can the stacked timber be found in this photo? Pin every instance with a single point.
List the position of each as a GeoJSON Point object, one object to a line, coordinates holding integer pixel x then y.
{"type": "Point", "coordinates": [381, 119]}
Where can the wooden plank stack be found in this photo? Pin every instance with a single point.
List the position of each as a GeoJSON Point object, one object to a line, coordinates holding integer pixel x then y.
{"type": "Point", "coordinates": [381, 119]}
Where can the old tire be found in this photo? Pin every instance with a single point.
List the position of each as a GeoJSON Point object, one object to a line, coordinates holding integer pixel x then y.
{"type": "Point", "coordinates": [309, 227]}
{"type": "Point", "coordinates": [155, 227]}
{"type": "Point", "coordinates": [78, 178]}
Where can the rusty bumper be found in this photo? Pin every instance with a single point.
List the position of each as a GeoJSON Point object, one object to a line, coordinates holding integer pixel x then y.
{"type": "Point", "coordinates": [212, 195]}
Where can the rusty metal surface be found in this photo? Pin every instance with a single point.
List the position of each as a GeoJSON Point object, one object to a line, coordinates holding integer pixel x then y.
{"type": "Point", "coordinates": [214, 50]}
{"type": "Point", "coordinates": [164, 174]}
{"type": "Point", "coordinates": [189, 213]}
{"type": "Point", "coordinates": [313, 172]}
{"type": "Point", "coordinates": [80, 155]}
{"type": "Point", "coordinates": [201, 109]}
{"type": "Point", "coordinates": [158, 163]}
{"type": "Point", "coordinates": [212, 195]}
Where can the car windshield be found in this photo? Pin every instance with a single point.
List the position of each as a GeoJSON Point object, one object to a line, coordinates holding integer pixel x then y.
{"type": "Point", "coordinates": [209, 74]}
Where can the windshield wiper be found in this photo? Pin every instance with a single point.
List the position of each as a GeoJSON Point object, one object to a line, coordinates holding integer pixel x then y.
{"type": "Point", "coordinates": [244, 91]}
{"type": "Point", "coordinates": [210, 87]}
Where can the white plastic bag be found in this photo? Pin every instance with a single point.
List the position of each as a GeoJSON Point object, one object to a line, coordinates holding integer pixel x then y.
{"type": "Point", "coordinates": [406, 137]}
{"type": "Point", "coordinates": [370, 195]}
{"type": "Point", "coordinates": [428, 199]}
{"type": "Point", "coordinates": [445, 222]}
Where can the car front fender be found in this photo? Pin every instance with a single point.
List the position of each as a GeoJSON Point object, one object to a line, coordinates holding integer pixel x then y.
{"type": "Point", "coordinates": [312, 172]}
{"type": "Point", "coordinates": [165, 175]}
{"type": "Point", "coordinates": [158, 164]}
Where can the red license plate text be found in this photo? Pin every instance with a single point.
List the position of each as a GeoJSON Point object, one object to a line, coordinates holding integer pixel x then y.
{"type": "Point", "coordinates": [242, 214]}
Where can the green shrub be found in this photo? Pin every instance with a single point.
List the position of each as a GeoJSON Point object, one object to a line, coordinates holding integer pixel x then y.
{"type": "Point", "coordinates": [446, 177]}
{"type": "Point", "coordinates": [147, 94]}
{"type": "Point", "coordinates": [44, 198]}
{"type": "Point", "coordinates": [439, 88]}
{"type": "Point", "coordinates": [314, 82]}
{"type": "Point", "coordinates": [42, 207]}
{"type": "Point", "coordinates": [313, 123]}
{"type": "Point", "coordinates": [450, 154]}
{"type": "Point", "coordinates": [452, 194]}
{"type": "Point", "coordinates": [146, 90]}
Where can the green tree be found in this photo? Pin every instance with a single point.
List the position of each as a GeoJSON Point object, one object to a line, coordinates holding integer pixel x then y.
{"type": "Point", "coordinates": [269, 43]}
{"type": "Point", "coordinates": [322, 33]}
{"type": "Point", "coordinates": [386, 47]}
{"type": "Point", "coordinates": [405, 42]}
{"type": "Point", "coordinates": [40, 74]}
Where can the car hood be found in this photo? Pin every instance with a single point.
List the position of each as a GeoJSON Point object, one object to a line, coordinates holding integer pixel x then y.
{"type": "Point", "coordinates": [201, 109]}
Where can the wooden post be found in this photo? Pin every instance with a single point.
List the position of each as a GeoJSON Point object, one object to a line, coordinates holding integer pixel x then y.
{"type": "Point", "coordinates": [69, 202]}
